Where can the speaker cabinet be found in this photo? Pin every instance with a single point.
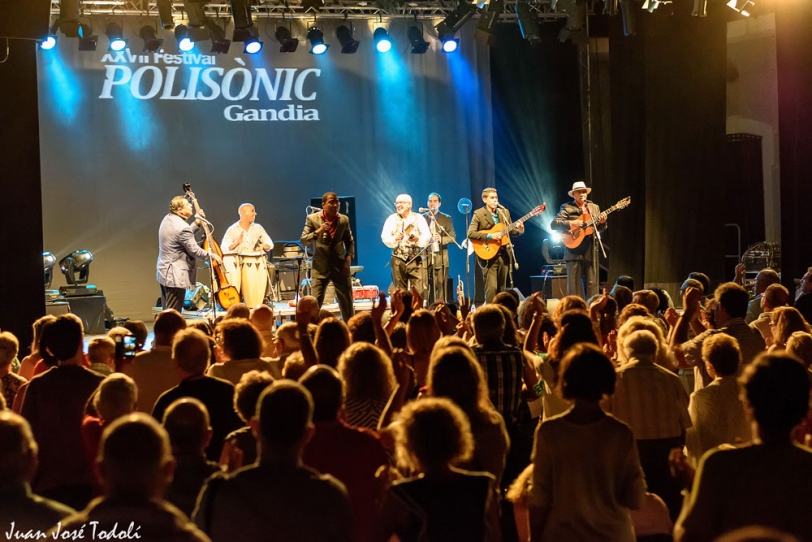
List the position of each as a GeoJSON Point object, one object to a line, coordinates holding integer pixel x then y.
{"type": "Point", "coordinates": [552, 286]}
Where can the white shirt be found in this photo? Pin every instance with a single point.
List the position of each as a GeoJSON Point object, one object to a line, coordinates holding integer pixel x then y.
{"type": "Point", "coordinates": [396, 224]}
{"type": "Point", "coordinates": [250, 245]}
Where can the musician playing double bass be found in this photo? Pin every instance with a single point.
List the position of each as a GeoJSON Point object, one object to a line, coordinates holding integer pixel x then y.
{"type": "Point", "coordinates": [580, 259]}
{"type": "Point", "coordinates": [495, 270]}
{"type": "Point", "coordinates": [177, 252]}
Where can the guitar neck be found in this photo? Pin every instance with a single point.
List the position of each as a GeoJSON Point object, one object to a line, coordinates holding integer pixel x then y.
{"type": "Point", "coordinates": [521, 220]}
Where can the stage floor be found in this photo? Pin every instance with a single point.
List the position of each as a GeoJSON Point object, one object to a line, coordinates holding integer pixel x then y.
{"type": "Point", "coordinates": [282, 310]}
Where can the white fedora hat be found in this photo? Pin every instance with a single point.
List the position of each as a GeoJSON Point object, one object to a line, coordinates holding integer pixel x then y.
{"type": "Point", "coordinates": [579, 185]}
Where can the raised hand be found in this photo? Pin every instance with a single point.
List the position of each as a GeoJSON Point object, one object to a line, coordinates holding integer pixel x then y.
{"type": "Point", "coordinates": [417, 301]}
{"type": "Point", "coordinates": [379, 308]}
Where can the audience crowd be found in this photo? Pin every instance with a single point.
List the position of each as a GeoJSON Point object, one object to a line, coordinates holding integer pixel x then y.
{"type": "Point", "coordinates": [619, 418]}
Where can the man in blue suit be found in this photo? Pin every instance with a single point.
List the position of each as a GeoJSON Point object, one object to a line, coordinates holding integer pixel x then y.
{"type": "Point", "coordinates": [177, 251]}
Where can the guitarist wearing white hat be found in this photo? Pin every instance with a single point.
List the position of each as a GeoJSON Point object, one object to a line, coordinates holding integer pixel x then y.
{"type": "Point", "coordinates": [573, 221]}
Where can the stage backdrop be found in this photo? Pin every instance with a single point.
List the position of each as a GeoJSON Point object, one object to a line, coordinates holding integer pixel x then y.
{"type": "Point", "coordinates": [121, 133]}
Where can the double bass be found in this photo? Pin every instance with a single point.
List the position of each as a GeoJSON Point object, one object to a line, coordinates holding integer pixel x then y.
{"type": "Point", "coordinates": [227, 295]}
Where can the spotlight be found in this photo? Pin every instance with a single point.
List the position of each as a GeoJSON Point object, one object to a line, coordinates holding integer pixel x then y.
{"type": "Point", "coordinates": [152, 42]}
{"type": "Point", "coordinates": [219, 43]}
{"type": "Point", "coordinates": [69, 18]}
{"type": "Point", "coordinates": [116, 36]}
{"type": "Point", "coordinates": [382, 41]}
{"type": "Point", "coordinates": [287, 44]}
{"type": "Point", "coordinates": [165, 14]}
{"type": "Point", "coordinates": [241, 12]}
{"type": "Point", "coordinates": [661, 7]}
{"type": "Point", "coordinates": [741, 6]}
{"type": "Point", "coordinates": [450, 44]}
{"type": "Point", "coordinates": [456, 19]}
{"type": "Point", "coordinates": [76, 267]}
{"type": "Point", "coordinates": [415, 34]}
{"type": "Point", "coordinates": [316, 38]}
{"type": "Point", "coordinates": [527, 23]}
{"type": "Point", "coordinates": [48, 262]}
{"type": "Point", "coordinates": [576, 17]}
{"type": "Point", "coordinates": [629, 17]}
{"type": "Point", "coordinates": [700, 8]}
{"type": "Point", "coordinates": [252, 46]}
{"type": "Point", "coordinates": [48, 43]}
{"type": "Point", "coordinates": [185, 43]}
{"type": "Point", "coordinates": [249, 36]}
{"type": "Point", "coordinates": [487, 18]}
{"type": "Point", "coordinates": [349, 45]}
{"type": "Point", "coordinates": [87, 42]}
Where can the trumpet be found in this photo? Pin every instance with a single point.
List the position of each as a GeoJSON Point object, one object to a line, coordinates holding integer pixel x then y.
{"type": "Point", "coordinates": [460, 290]}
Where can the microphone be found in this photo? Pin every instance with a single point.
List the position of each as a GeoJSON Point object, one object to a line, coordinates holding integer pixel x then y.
{"type": "Point", "coordinates": [314, 208]}
{"type": "Point", "coordinates": [259, 243]}
{"type": "Point", "coordinates": [500, 206]}
{"type": "Point", "coordinates": [424, 210]}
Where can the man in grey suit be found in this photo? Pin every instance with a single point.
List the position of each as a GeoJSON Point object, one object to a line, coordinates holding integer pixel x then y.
{"type": "Point", "coordinates": [177, 251]}
{"type": "Point", "coordinates": [331, 236]}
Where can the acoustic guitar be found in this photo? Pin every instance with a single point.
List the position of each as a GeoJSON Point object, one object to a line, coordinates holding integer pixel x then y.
{"type": "Point", "coordinates": [488, 249]}
{"type": "Point", "coordinates": [577, 234]}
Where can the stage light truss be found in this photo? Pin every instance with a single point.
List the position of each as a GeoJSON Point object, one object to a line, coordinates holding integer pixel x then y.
{"type": "Point", "coordinates": [354, 9]}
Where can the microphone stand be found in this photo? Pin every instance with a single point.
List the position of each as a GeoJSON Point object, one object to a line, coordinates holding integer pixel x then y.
{"type": "Point", "coordinates": [467, 255]}
{"type": "Point", "coordinates": [511, 256]}
{"type": "Point", "coordinates": [210, 260]}
{"type": "Point", "coordinates": [444, 233]}
{"type": "Point", "coordinates": [595, 258]}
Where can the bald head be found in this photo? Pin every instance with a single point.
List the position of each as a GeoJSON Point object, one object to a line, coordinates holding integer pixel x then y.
{"type": "Point", "coordinates": [262, 318]}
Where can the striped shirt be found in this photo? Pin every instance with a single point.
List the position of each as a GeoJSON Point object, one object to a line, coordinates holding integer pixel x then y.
{"type": "Point", "coordinates": [364, 412]}
{"type": "Point", "coordinates": [718, 418]}
{"type": "Point", "coordinates": [650, 399]}
{"type": "Point", "coordinates": [503, 367]}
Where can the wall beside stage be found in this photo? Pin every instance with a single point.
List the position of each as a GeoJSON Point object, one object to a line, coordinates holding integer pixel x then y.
{"type": "Point", "coordinates": [121, 133]}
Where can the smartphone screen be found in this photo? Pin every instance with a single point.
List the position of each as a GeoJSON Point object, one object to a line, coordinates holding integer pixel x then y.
{"type": "Point", "coordinates": [130, 345]}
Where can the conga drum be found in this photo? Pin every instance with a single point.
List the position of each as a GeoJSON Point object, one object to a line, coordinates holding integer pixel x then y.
{"type": "Point", "coordinates": [232, 264]}
{"type": "Point", "coordinates": [254, 279]}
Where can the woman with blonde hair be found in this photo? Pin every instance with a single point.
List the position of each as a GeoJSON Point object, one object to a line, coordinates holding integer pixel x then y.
{"type": "Point", "coordinates": [785, 321]}
{"type": "Point", "coordinates": [664, 356]}
{"type": "Point", "coordinates": [799, 345]}
{"type": "Point", "coordinates": [421, 335]}
{"type": "Point", "coordinates": [456, 374]}
{"type": "Point", "coordinates": [370, 380]}
{"type": "Point", "coordinates": [442, 501]}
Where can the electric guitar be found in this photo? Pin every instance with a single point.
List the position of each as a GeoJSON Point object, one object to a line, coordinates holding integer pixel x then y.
{"type": "Point", "coordinates": [577, 234]}
{"type": "Point", "coordinates": [488, 249]}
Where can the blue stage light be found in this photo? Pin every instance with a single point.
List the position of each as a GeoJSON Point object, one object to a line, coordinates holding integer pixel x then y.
{"type": "Point", "coordinates": [383, 42]}
{"type": "Point", "coordinates": [253, 46]}
{"type": "Point", "coordinates": [316, 38]}
{"type": "Point", "coordinates": [185, 43]}
{"type": "Point", "coordinates": [116, 36]}
{"type": "Point", "coordinates": [450, 45]}
{"type": "Point", "coordinates": [48, 43]}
